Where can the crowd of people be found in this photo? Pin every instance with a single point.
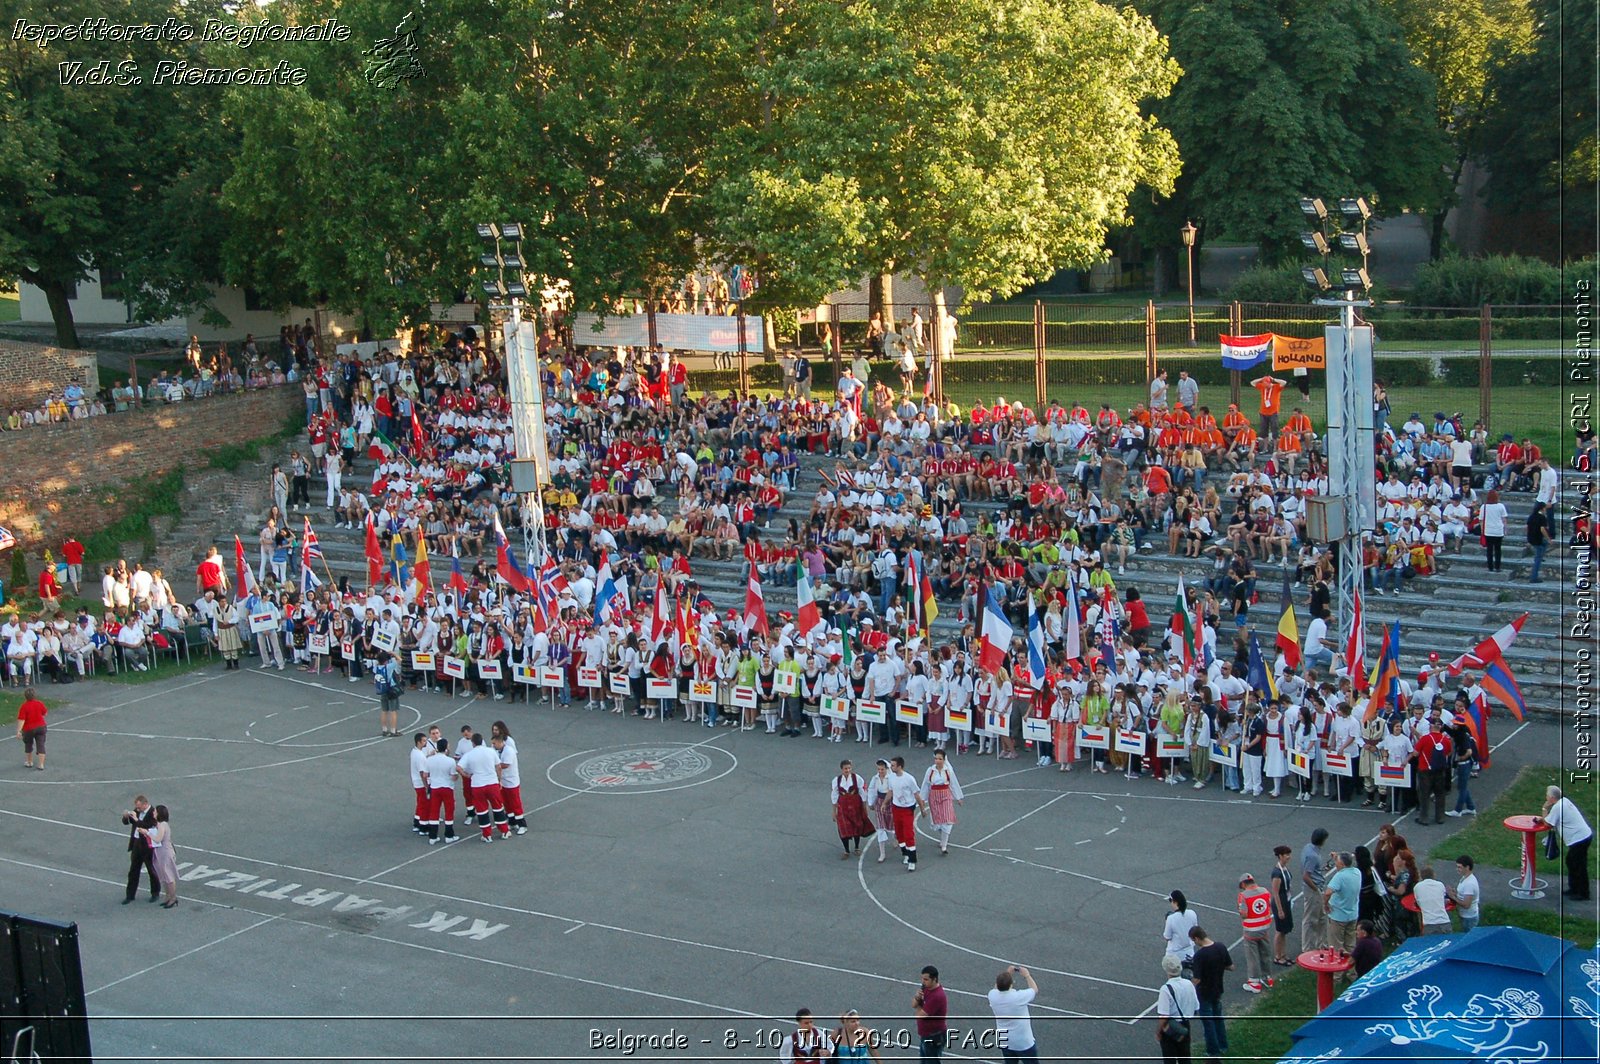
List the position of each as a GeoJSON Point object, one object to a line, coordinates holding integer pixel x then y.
{"type": "Point", "coordinates": [996, 510]}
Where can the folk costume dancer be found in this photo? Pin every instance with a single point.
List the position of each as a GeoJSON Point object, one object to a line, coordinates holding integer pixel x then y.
{"type": "Point", "coordinates": [905, 802]}
{"type": "Point", "coordinates": [419, 782]}
{"type": "Point", "coordinates": [849, 809]}
{"type": "Point", "coordinates": [941, 792]}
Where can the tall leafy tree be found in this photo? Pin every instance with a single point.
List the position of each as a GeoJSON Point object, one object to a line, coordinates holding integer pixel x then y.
{"type": "Point", "coordinates": [1285, 98]}
{"type": "Point", "coordinates": [984, 144]}
{"type": "Point", "coordinates": [1463, 44]}
{"type": "Point", "coordinates": [118, 175]}
{"type": "Point", "coordinates": [1539, 142]}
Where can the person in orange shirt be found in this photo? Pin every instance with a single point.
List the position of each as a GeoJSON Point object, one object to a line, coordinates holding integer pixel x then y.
{"type": "Point", "coordinates": [1232, 422]}
{"type": "Point", "coordinates": [1271, 389]}
{"type": "Point", "coordinates": [1289, 448]}
{"type": "Point", "coordinates": [1300, 425]}
{"type": "Point", "coordinates": [1242, 451]}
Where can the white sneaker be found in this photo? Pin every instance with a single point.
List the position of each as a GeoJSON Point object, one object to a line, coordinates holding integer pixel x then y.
{"type": "Point", "coordinates": [1451, 813]}
{"type": "Point", "coordinates": [1121, 569]}
{"type": "Point", "coordinates": [1198, 785]}
{"type": "Point", "coordinates": [1252, 987]}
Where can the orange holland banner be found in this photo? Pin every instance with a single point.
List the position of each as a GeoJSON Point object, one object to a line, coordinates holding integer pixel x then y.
{"type": "Point", "coordinates": [1291, 352]}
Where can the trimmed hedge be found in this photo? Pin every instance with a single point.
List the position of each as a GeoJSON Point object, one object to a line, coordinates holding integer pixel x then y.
{"type": "Point", "coordinates": [1510, 279]}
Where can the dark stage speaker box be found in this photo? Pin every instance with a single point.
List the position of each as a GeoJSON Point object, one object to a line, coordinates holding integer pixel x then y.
{"type": "Point", "coordinates": [42, 1011]}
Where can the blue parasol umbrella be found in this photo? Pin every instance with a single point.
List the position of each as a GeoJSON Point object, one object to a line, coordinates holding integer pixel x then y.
{"type": "Point", "coordinates": [1501, 994]}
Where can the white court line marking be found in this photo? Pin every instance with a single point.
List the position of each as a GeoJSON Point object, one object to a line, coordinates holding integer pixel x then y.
{"type": "Point", "coordinates": [999, 776]}
{"type": "Point", "coordinates": [1021, 818]}
{"type": "Point", "coordinates": [181, 956]}
{"type": "Point", "coordinates": [120, 705]}
{"type": "Point", "coordinates": [861, 876]}
{"type": "Point", "coordinates": [396, 942]}
{"type": "Point", "coordinates": [331, 723]}
{"type": "Point", "coordinates": [142, 735]}
{"type": "Point", "coordinates": [537, 971]}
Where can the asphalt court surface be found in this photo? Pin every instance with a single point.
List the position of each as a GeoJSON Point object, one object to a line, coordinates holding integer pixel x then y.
{"type": "Point", "coordinates": [678, 896]}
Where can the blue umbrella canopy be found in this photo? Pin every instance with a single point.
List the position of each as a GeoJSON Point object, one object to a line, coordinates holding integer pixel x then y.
{"type": "Point", "coordinates": [1502, 994]}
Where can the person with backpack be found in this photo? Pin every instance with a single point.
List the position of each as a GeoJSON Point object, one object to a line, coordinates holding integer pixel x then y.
{"type": "Point", "coordinates": [1176, 1004]}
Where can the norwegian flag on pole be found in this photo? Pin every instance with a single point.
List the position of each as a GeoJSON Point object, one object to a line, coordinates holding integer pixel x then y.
{"type": "Point", "coordinates": [1491, 649]}
{"type": "Point", "coordinates": [1355, 651]}
{"type": "Point", "coordinates": [755, 606]}
{"type": "Point", "coordinates": [241, 572]}
{"type": "Point", "coordinates": [994, 636]}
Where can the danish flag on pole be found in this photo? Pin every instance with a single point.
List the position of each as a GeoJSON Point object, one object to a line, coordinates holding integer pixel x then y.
{"type": "Point", "coordinates": [755, 606]}
{"type": "Point", "coordinates": [1355, 652]}
{"type": "Point", "coordinates": [994, 637]}
{"type": "Point", "coordinates": [242, 574]}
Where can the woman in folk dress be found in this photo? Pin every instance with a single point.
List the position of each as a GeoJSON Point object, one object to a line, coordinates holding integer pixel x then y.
{"type": "Point", "coordinates": [849, 809]}
{"type": "Point", "coordinates": [1277, 763]}
{"type": "Point", "coordinates": [942, 791]}
{"type": "Point", "coordinates": [1066, 713]}
{"type": "Point", "coordinates": [880, 800]}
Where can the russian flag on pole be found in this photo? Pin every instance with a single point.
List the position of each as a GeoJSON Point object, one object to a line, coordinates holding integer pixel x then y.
{"type": "Point", "coordinates": [1245, 352]}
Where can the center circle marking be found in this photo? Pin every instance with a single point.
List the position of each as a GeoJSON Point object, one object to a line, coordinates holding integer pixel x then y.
{"type": "Point", "coordinates": [643, 769]}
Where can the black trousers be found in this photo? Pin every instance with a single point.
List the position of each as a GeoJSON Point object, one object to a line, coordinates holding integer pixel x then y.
{"type": "Point", "coordinates": [142, 857]}
{"type": "Point", "coordinates": [1578, 869]}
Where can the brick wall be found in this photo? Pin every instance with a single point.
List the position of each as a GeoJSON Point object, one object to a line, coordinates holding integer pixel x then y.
{"type": "Point", "coordinates": [51, 471]}
{"type": "Point", "coordinates": [30, 372]}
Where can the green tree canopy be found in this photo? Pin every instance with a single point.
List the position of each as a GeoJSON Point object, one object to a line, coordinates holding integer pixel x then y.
{"type": "Point", "coordinates": [1285, 98]}
{"type": "Point", "coordinates": [120, 175]}
{"type": "Point", "coordinates": [1539, 142]}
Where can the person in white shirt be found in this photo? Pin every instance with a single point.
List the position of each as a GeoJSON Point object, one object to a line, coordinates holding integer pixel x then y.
{"type": "Point", "coordinates": [1430, 895]}
{"type": "Point", "coordinates": [480, 767]}
{"type": "Point", "coordinates": [1467, 893]}
{"type": "Point", "coordinates": [510, 782]}
{"type": "Point", "coordinates": [1564, 817]}
{"type": "Point", "coordinates": [905, 800]}
{"type": "Point", "coordinates": [420, 749]}
{"type": "Point", "coordinates": [131, 639]}
{"type": "Point", "coordinates": [1176, 929]}
{"type": "Point", "coordinates": [438, 776]}
{"type": "Point", "coordinates": [807, 1042]}
{"type": "Point", "coordinates": [942, 793]}
{"type": "Point", "coordinates": [1176, 1003]}
{"type": "Point", "coordinates": [1013, 1026]}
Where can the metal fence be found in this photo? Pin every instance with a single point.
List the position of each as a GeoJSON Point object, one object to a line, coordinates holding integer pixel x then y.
{"type": "Point", "coordinates": [1497, 364]}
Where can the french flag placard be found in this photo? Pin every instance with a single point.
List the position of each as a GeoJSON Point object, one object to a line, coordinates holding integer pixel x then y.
{"type": "Point", "coordinates": [1245, 352]}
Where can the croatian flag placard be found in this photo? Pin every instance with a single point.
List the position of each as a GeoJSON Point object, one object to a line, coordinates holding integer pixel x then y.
{"type": "Point", "coordinates": [1245, 352]}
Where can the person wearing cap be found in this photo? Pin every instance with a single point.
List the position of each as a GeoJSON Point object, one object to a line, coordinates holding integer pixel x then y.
{"type": "Point", "coordinates": [1433, 754]}
{"type": "Point", "coordinates": [1255, 917]}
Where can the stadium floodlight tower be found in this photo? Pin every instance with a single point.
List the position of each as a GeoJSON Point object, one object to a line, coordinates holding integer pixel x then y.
{"type": "Point", "coordinates": [1350, 508]}
{"type": "Point", "coordinates": [505, 284]}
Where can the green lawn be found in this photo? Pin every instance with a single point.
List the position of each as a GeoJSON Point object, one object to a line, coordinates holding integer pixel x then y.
{"type": "Point", "coordinates": [10, 306]}
{"type": "Point", "coordinates": [1485, 836]}
{"type": "Point", "coordinates": [1265, 1032]}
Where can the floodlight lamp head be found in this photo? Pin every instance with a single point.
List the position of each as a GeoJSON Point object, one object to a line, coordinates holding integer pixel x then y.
{"type": "Point", "coordinates": [1355, 207]}
{"type": "Point", "coordinates": [493, 289]}
{"type": "Point", "coordinates": [1356, 242]}
{"type": "Point", "coordinates": [1314, 241]}
{"type": "Point", "coordinates": [489, 259]}
{"type": "Point", "coordinates": [516, 290]}
{"type": "Point", "coordinates": [511, 230]}
{"type": "Point", "coordinates": [1315, 278]}
{"type": "Point", "coordinates": [1313, 208]}
{"type": "Point", "coordinates": [1355, 277]}
{"type": "Point", "coordinates": [513, 261]}
{"type": "Point", "coordinates": [486, 231]}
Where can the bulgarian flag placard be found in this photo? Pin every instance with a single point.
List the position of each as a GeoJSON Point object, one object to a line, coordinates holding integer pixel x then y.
{"type": "Point", "coordinates": [1245, 352]}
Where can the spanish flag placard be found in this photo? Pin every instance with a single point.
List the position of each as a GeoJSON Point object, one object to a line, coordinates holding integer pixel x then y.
{"type": "Point", "coordinates": [1291, 352]}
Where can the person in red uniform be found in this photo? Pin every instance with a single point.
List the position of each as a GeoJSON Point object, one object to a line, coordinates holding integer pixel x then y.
{"type": "Point", "coordinates": [210, 575]}
{"type": "Point", "coordinates": [480, 766]}
{"type": "Point", "coordinates": [31, 728]}
{"type": "Point", "coordinates": [73, 552]}
{"type": "Point", "coordinates": [49, 586]}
